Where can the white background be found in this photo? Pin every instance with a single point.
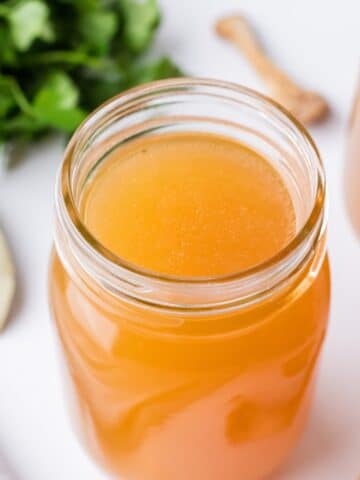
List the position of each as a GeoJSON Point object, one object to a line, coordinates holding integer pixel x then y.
{"type": "Point", "coordinates": [318, 42]}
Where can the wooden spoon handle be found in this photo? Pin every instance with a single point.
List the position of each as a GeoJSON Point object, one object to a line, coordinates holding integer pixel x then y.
{"type": "Point", "coordinates": [238, 31]}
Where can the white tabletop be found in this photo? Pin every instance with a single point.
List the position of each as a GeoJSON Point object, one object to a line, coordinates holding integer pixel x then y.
{"type": "Point", "coordinates": [318, 42]}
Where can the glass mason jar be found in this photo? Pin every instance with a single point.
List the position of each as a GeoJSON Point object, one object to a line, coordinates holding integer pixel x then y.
{"type": "Point", "coordinates": [191, 378]}
{"type": "Point", "coordinates": [352, 172]}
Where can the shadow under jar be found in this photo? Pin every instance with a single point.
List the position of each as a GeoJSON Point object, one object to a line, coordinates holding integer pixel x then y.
{"type": "Point", "coordinates": [180, 378]}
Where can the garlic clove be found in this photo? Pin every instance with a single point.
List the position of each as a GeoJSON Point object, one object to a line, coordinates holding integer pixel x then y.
{"type": "Point", "coordinates": [7, 280]}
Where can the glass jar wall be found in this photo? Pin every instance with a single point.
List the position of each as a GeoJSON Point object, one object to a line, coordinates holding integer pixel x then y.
{"type": "Point", "coordinates": [191, 378]}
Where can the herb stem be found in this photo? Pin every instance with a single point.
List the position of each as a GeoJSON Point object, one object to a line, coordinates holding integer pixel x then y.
{"type": "Point", "coordinates": [73, 58]}
{"type": "Point", "coordinates": [18, 96]}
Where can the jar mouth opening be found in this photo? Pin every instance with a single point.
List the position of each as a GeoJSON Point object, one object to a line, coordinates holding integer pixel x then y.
{"type": "Point", "coordinates": [67, 209]}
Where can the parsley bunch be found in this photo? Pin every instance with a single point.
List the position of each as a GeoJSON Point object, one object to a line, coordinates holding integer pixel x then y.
{"type": "Point", "coordinates": [59, 59]}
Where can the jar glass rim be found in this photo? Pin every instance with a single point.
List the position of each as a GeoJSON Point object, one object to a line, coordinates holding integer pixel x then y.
{"type": "Point", "coordinates": [95, 248]}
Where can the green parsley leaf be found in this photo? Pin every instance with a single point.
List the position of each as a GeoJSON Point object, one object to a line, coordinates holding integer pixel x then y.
{"type": "Point", "coordinates": [56, 103]}
{"type": "Point", "coordinates": [28, 21]}
{"type": "Point", "coordinates": [8, 52]}
{"type": "Point", "coordinates": [156, 70]}
{"type": "Point", "coordinates": [141, 19]}
{"type": "Point", "coordinates": [6, 98]}
{"type": "Point", "coordinates": [98, 27]}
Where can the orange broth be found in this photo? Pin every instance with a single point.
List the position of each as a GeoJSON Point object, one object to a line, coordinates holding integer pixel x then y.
{"type": "Point", "coordinates": [223, 396]}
